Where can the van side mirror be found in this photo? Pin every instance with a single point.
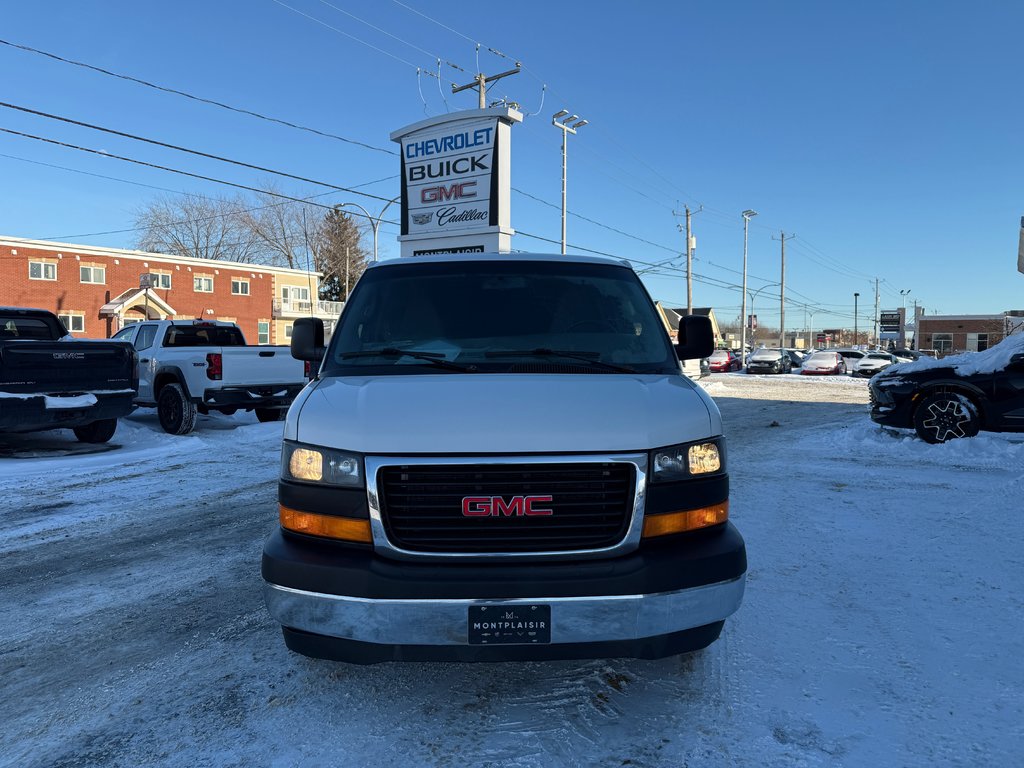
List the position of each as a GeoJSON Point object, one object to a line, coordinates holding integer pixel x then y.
{"type": "Point", "coordinates": [696, 338]}
{"type": "Point", "coordinates": [308, 339]}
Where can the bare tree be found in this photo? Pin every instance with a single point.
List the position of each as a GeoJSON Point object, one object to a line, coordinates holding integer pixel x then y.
{"type": "Point", "coordinates": [198, 226]}
{"type": "Point", "coordinates": [286, 230]}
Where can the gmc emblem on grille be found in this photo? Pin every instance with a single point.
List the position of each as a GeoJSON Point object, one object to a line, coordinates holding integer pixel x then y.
{"type": "Point", "coordinates": [498, 506]}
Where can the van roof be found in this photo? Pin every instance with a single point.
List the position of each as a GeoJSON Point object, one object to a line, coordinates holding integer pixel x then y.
{"type": "Point", "coordinates": [549, 257]}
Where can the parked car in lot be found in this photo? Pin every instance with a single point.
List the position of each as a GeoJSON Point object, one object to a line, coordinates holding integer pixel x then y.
{"type": "Point", "coordinates": [873, 362]}
{"type": "Point", "coordinates": [851, 356]}
{"type": "Point", "coordinates": [956, 396]}
{"type": "Point", "coordinates": [796, 357]}
{"type": "Point", "coordinates": [906, 355]}
{"type": "Point", "coordinates": [724, 360]}
{"type": "Point", "coordinates": [188, 367]}
{"type": "Point", "coordinates": [824, 363]}
{"type": "Point", "coordinates": [46, 383]}
{"type": "Point", "coordinates": [769, 360]}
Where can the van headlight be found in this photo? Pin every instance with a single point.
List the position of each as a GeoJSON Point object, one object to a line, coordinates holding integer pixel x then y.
{"type": "Point", "coordinates": [315, 464]}
{"type": "Point", "coordinates": [678, 462]}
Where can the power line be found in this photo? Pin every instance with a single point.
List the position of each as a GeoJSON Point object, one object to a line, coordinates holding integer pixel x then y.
{"type": "Point", "coordinates": [193, 97]}
{"type": "Point", "coordinates": [352, 37]}
{"type": "Point", "coordinates": [598, 223]}
{"type": "Point", "coordinates": [178, 148]}
{"type": "Point", "coordinates": [179, 171]}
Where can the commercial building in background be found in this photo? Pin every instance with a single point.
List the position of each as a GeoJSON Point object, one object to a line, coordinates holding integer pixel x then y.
{"type": "Point", "coordinates": [950, 334]}
{"type": "Point", "coordinates": [97, 291]}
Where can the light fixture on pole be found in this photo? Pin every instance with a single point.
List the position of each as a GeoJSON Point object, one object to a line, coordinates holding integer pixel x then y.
{"type": "Point", "coordinates": [747, 216]}
{"type": "Point", "coordinates": [855, 297]}
{"type": "Point", "coordinates": [753, 295]}
{"type": "Point", "coordinates": [559, 120]}
{"type": "Point", "coordinates": [374, 222]}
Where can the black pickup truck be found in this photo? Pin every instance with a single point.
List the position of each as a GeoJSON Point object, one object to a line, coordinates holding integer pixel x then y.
{"type": "Point", "coordinates": [48, 380]}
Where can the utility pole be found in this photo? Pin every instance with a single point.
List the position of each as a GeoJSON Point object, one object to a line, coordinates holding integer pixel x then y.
{"type": "Point", "coordinates": [690, 246]}
{"type": "Point", "coordinates": [878, 341]}
{"type": "Point", "coordinates": [480, 83]}
{"type": "Point", "coordinates": [747, 216]}
{"type": "Point", "coordinates": [916, 329]}
{"type": "Point", "coordinates": [855, 297]}
{"type": "Point", "coordinates": [782, 290]}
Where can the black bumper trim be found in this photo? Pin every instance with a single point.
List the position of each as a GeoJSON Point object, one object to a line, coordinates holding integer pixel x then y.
{"type": "Point", "coordinates": [355, 652]}
{"type": "Point", "coordinates": [688, 560]}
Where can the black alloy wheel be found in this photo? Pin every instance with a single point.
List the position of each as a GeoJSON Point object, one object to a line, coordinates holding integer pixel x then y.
{"type": "Point", "coordinates": [176, 412]}
{"type": "Point", "coordinates": [946, 416]}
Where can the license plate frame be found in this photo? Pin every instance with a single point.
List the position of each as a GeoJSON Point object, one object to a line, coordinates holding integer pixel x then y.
{"type": "Point", "coordinates": [503, 624]}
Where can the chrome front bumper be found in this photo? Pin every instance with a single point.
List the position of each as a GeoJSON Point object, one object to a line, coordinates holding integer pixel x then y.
{"type": "Point", "coordinates": [445, 622]}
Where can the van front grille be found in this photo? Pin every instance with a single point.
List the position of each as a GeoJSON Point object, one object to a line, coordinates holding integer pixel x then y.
{"type": "Point", "coordinates": [479, 508]}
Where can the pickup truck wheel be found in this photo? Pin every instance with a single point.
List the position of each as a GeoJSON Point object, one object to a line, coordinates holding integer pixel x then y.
{"type": "Point", "coordinates": [97, 432]}
{"type": "Point", "coordinates": [177, 413]}
{"type": "Point", "coordinates": [268, 414]}
{"type": "Point", "coordinates": [945, 416]}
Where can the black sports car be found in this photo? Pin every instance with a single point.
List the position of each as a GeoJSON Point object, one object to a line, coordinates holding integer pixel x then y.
{"type": "Point", "coordinates": [956, 396]}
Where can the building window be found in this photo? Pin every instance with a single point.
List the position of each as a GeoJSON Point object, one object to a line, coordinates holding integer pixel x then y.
{"type": "Point", "coordinates": [942, 343]}
{"type": "Point", "coordinates": [93, 274]}
{"type": "Point", "coordinates": [163, 280]}
{"type": "Point", "coordinates": [263, 332]}
{"type": "Point", "coordinates": [288, 331]}
{"type": "Point", "coordinates": [239, 287]}
{"type": "Point", "coordinates": [74, 323]}
{"type": "Point", "coordinates": [202, 284]}
{"type": "Point", "coordinates": [42, 270]}
{"type": "Point", "coordinates": [977, 342]}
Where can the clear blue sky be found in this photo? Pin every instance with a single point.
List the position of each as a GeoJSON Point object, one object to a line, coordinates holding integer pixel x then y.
{"type": "Point", "coordinates": [886, 136]}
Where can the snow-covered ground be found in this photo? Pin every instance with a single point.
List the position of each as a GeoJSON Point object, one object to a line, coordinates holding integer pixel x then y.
{"type": "Point", "coordinates": [881, 625]}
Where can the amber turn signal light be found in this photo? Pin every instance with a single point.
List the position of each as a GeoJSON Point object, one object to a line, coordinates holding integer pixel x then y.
{"type": "Point", "coordinates": [688, 520]}
{"type": "Point", "coordinates": [328, 526]}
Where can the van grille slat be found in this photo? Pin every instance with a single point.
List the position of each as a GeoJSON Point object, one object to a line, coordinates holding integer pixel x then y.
{"type": "Point", "coordinates": [592, 505]}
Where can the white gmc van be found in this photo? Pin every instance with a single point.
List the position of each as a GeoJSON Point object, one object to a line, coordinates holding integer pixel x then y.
{"type": "Point", "coordinates": [501, 459]}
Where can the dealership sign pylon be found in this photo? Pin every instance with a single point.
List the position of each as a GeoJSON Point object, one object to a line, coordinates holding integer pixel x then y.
{"type": "Point", "coordinates": [456, 182]}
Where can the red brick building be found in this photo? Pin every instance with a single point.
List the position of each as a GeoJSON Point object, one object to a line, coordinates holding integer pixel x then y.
{"type": "Point", "coordinates": [96, 291]}
{"type": "Point", "coordinates": [950, 334]}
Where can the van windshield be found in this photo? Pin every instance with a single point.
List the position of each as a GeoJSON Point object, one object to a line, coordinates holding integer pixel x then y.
{"type": "Point", "coordinates": [500, 317]}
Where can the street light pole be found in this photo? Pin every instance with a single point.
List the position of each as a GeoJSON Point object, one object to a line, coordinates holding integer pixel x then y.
{"type": "Point", "coordinates": [560, 120]}
{"type": "Point", "coordinates": [747, 216]}
{"type": "Point", "coordinates": [855, 297]}
{"type": "Point", "coordinates": [374, 222]}
{"type": "Point", "coordinates": [753, 295]}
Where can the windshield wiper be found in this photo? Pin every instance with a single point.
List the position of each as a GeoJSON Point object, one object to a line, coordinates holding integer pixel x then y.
{"type": "Point", "coordinates": [434, 358]}
{"type": "Point", "coordinates": [584, 356]}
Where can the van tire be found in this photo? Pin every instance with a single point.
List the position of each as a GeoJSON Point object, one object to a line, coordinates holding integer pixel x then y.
{"type": "Point", "coordinates": [176, 412]}
{"type": "Point", "coordinates": [268, 414]}
{"type": "Point", "coordinates": [97, 432]}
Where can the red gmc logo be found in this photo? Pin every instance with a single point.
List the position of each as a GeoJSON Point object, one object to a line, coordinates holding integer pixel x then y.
{"type": "Point", "coordinates": [497, 506]}
{"type": "Point", "coordinates": [450, 192]}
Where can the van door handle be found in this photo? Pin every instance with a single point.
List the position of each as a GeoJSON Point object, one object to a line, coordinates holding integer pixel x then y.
{"type": "Point", "coordinates": [144, 360]}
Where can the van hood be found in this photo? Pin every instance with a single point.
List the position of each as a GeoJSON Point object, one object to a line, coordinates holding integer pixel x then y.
{"type": "Point", "coordinates": [498, 413]}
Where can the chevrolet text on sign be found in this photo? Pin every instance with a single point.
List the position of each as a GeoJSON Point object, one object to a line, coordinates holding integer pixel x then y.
{"type": "Point", "coordinates": [448, 177]}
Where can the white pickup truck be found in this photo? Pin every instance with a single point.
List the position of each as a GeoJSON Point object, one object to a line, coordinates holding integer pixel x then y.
{"type": "Point", "coordinates": [188, 367]}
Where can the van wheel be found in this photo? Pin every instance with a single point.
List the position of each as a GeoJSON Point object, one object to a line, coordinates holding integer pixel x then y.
{"type": "Point", "coordinates": [269, 414]}
{"type": "Point", "coordinates": [945, 416]}
{"type": "Point", "coordinates": [97, 432]}
{"type": "Point", "coordinates": [177, 413]}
